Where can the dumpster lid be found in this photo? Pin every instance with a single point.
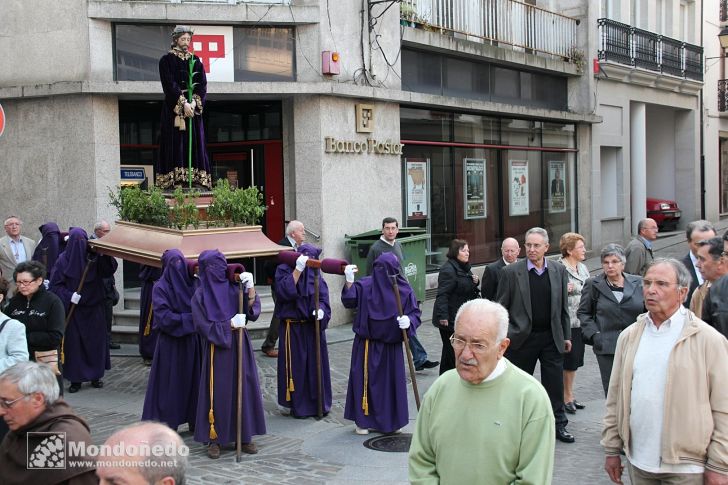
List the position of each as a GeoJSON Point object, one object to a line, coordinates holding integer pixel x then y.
{"type": "Point", "coordinates": [374, 234]}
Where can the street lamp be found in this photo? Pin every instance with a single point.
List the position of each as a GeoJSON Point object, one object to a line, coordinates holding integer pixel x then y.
{"type": "Point", "coordinates": [723, 37]}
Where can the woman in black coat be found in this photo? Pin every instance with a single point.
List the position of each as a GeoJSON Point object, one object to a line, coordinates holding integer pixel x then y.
{"type": "Point", "coordinates": [456, 284]}
{"type": "Point", "coordinates": [610, 302]}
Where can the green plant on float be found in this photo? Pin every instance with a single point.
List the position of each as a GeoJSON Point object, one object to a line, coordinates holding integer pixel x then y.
{"type": "Point", "coordinates": [185, 213]}
{"type": "Point", "coordinates": [141, 206]}
{"type": "Point", "coordinates": [231, 206]}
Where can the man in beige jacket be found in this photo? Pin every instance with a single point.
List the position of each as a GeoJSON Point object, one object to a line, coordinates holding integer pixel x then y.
{"type": "Point", "coordinates": [667, 405]}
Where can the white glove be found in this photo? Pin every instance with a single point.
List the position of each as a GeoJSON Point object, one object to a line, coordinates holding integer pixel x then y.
{"type": "Point", "coordinates": [320, 314]}
{"type": "Point", "coordinates": [247, 280]}
{"type": "Point", "coordinates": [238, 321]}
{"type": "Point", "coordinates": [65, 238]}
{"type": "Point", "coordinates": [47, 284]}
{"type": "Point", "coordinates": [75, 298]}
{"type": "Point", "coordinates": [349, 271]}
{"type": "Point", "coordinates": [301, 263]}
{"type": "Point", "coordinates": [404, 322]}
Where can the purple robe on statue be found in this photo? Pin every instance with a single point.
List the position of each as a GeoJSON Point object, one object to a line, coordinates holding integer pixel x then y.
{"type": "Point", "coordinates": [174, 380]}
{"type": "Point", "coordinates": [49, 246]}
{"type": "Point", "coordinates": [147, 332]}
{"type": "Point", "coordinates": [213, 306]}
{"type": "Point", "coordinates": [378, 348]}
{"type": "Point", "coordinates": [172, 166]}
{"type": "Point", "coordinates": [297, 355]}
{"type": "Point", "coordinates": [85, 343]}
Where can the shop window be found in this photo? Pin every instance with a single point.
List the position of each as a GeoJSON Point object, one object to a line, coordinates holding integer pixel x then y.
{"type": "Point", "coordinates": [559, 135]}
{"type": "Point", "coordinates": [524, 133]}
{"type": "Point", "coordinates": [476, 129]}
{"type": "Point", "coordinates": [423, 124]}
{"type": "Point", "coordinates": [724, 175]}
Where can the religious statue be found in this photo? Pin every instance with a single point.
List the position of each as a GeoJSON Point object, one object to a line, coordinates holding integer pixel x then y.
{"type": "Point", "coordinates": [183, 159]}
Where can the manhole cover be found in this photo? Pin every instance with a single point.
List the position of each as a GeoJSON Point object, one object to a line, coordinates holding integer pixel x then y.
{"type": "Point", "coordinates": [392, 443]}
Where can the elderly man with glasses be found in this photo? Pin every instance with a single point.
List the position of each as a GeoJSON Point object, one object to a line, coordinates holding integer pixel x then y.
{"type": "Point", "coordinates": [486, 420]}
{"type": "Point", "coordinates": [40, 425]}
{"type": "Point", "coordinates": [715, 305]}
{"type": "Point", "coordinates": [14, 249]}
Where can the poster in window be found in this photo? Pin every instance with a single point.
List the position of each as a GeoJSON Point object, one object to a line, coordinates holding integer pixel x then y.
{"type": "Point", "coordinates": [518, 183]}
{"type": "Point", "coordinates": [557, 186]}
{"type": "Point", "coordinates": [474, 188]}
{"type": "Point", "coordinates": [416, 173]}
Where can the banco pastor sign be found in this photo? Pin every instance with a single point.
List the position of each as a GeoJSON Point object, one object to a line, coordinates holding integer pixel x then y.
{"type": "Point", "coordinates": [370, 145]}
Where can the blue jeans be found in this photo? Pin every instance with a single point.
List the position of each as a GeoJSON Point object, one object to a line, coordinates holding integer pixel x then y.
{"type": "Point", "coordinates": [419, 354]}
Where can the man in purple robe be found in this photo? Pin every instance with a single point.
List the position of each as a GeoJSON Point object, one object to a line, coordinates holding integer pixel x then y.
{"type": "Point", "coordinates": [85, 345]}
{"type": "Point", "coordinates": [177, 112]}
{"type": "Point", "coordinates": [174, 380]}
{"type": "Point", "coordinates": [377, 394]}
{"type": "Point", "coordinates": [49, 246]}
{"type": "Point", "coordinates": [147, 332]}
{"type": "Point", "coordinates": [217, 318]}
{"type": "Point", "coordinates": [295, 309]}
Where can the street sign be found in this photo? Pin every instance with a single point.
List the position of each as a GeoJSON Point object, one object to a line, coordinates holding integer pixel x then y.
{"type": "Point", "coordinates": [2, 120]}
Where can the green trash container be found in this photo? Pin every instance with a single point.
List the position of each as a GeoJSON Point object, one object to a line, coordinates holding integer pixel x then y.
{"type": "Point", "coordinates": [414, 245]}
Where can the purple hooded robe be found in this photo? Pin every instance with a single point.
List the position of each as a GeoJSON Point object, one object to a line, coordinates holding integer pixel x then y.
{"type": "Point", "coordinates": [49, 246]}
{"type": "Point", "coordinates": [86, 347]}
{"type": "Point", "coordinates": [214, 304]}
{"type": "Point", "coordinates": [147, 332]}
{"type": "Point", "coordinates": [379, 400]}
{"type": "Point", "coordinates": [174, 379]}
{"type": "Point", "coordinates": [297, 357]}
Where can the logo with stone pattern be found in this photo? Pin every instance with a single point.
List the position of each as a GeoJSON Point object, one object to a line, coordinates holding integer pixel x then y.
{"type": "Point", "coordinates": [49, 453]}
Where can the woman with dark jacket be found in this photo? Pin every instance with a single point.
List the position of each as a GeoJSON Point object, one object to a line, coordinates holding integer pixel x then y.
{"type": "Point", "coordinates": [610, 302]}
{"type": "Point", "coordinates": [456, 284]}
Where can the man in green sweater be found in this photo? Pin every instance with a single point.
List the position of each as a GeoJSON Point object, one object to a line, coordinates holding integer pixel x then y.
{"type": "Point", "coordinates": [486, 421]}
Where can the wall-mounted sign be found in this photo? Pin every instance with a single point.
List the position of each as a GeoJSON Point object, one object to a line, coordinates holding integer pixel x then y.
{"type": "Point", "coordinates": [474, 188]}
{"type": "Point", "coordinates": [364, 118]}
{"type": "Point", "coordinates": [214, 45]}
{"type": "Point", "coordinates": [2, 120]}
{"type": "Point", "coordinates": [417, 183]}
{"type": "Point", "coordinates": [557, 186]}
{"type": "Point", "coordinates": [518, 182]}
{"type": "Point", "coordinates": [370, 145]}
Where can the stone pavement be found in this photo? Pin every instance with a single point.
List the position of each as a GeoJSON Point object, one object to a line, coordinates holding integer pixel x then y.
{"type": "Point", "coordinates": [308, 451]}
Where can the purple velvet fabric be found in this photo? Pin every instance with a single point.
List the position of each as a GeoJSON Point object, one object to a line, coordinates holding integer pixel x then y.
{"type": "Point", "coordinates": [174, 379]}
{"type": "Point", "coordinates": [387, 383]}
{"type": "Point", "coordinates": [214, 304]}
{"type": "Point", "coordinates": [86, 346]}
{"type": "Point", "coordinates": [173, 73]}
{"type": "Point", "coordinates": [295, 301]}
{"type": "Point", "coordinates": [148, 276]}
{"type": "Point", "coordinates": [49, 246]}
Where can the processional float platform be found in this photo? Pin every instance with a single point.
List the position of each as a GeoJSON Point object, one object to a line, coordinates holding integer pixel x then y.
{"type": "Point", "coordinates": [145, 244]}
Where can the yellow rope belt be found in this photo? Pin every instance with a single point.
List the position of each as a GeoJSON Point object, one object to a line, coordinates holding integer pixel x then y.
{"type": "Point", "coordinates": [365, 399]}
{"type": "Point", "coordinates": [148, 327]}
{"type": "Point", "coordinates": [289, 373]}
{"type": "Point", "coordinates": [211, 414]}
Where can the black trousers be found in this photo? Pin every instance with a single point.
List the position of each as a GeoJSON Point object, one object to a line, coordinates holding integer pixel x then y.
{"type": "Point", "coordinates": [272, 336]}
{"type": "Point", "coordinates": [447, 360]}
{"type": "Point", "coordinates": [605, 362]}
{"type": "Point", "coordinates": [540, 346]}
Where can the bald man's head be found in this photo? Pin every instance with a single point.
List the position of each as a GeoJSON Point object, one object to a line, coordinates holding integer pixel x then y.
{"type": "Point", "coordinates": [510, 250]}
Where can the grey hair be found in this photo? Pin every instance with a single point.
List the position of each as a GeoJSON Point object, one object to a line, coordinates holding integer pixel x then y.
{"type": "Point", "coordinates": [292, 226]}
{"type": "Point", "coordinates": [481, 306]}
{"type": "Point", "coordinates": [715, 247]}
{"type": "Point", "coordinates": [681, 272]}
{"type": "Point", "coordinates": [700, 225]}
{"type": "Point", "coordinates": [32, 377]}
{"type": "Point", "coordinates": [613, 249]}
{"type": "Point", "coordinates": [539, 230]}
{"type": "Point", "coordinates": [642, 222]}
{"type": "Point", "coordinates": [101, 223]}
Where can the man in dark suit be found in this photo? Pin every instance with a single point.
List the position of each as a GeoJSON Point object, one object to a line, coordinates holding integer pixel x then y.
{"type": "Point", "coordinates": [695, 232]}
{"type": "Point", "coordinates": [534, 291]}
{"type": "Point", "coordinates": [295, 236]}
{"type": "Point", "coordinates": [510, 250]}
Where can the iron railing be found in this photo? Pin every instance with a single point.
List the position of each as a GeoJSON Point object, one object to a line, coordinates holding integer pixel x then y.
{"type": "Point", "coordinates": [506, 22]}
{"type": "Point", "coordinates": [631, 46]}
{"type": "Point", "coordinates": [233, 2]}
{"type": "Point", "coordinates": [724, 10]}
{"type": "Point", "coordinates": [722, 95]}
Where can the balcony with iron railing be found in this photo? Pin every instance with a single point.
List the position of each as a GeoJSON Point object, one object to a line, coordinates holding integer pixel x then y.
{"type": "Point", "coordinates": [723, 95]}
{"type": "Point", "coordinates": [724, 10]}
{"type": "Point", "coordinates": [630, 46]}
{"type": "Point", "coordinates": [502, 22]}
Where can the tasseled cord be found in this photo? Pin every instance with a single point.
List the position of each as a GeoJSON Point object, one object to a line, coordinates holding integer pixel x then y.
{"type": "Point", "coordinates": [365, 399]}
{"type": "Point", "coordinates": [148, 326]}
{"type": "Point", "coordinates": [63, 356]}
{"type": "Point", "coordinates": [211, 414]}
{"type": "Point", "coordinates": [289, 372]}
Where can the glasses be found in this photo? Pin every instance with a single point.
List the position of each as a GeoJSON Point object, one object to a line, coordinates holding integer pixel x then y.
{"type": "Point", "coordinates": [25, 283]}
{"type": "Point", "coordinates": [724, 253]}
{"type": "Point", "coordinates": [658, 283]}
{"type": "Point", "coordinates": [8, 404]}
{"type": "Point", "coordinates": [475, 347]}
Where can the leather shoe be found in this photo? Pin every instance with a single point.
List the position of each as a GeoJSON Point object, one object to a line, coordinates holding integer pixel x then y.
{"type": "Point", "coordinates": [564, 436]}
{"type": "Point", "coordinates": [97, 384]}
{"type": "Point", "coordinates": [249, 448]}
{"type": "Point", "coordinates": [427, 364]}
{"type": "Point", "coordinates": [213, 451]}
{"type": "Point", "coordinates": [578, 404]}
{"type": "Point", "coordinates": [114, 346]}
{"type": "Point", "coordinates": [570, 407]}
{"type": "Point", "coordinates": [270, 352]}
{"type": "Point", "coordinates": [75, 387]}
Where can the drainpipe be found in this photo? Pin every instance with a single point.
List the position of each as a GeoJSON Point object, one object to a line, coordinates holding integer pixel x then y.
{"type": "Point", "coordinates": [702, 129]}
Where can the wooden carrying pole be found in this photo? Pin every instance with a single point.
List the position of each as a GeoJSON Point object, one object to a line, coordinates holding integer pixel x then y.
{"type": "Point", "coordinates": [239, 431]}
{"type": "Point", "coordinates": [317, 329]}
{"type": "Point", "coordinates": [408, 351]}
{"type": "Point", "coordinates": [89, 261]}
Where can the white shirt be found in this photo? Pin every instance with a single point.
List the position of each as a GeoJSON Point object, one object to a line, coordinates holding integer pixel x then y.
{"type": "Point", "coordinates": [649, 377]}
{"type": "Point", "coordinates": [18, 249]}
{"type": "Point", "coordinates": [695, 267]}
{"type": "Point", "coordinates": [292, 241]}
{"type": "Point", "coordinates": [390, 243]}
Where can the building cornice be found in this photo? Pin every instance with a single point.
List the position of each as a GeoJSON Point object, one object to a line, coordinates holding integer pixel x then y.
{"type": "Point", "coordinates": [642, 77]}
{"type": "Point", "coordinates": [267, 90]}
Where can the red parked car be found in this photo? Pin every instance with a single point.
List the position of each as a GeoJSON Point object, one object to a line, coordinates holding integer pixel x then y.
{"type": "Point", "coordinates": [665, 212]}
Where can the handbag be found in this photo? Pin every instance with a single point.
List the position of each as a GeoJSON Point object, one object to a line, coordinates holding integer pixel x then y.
{"type": "Point", "coordinates": [49, 357]}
